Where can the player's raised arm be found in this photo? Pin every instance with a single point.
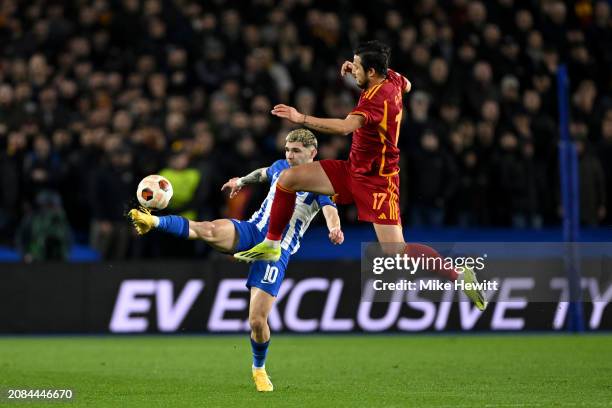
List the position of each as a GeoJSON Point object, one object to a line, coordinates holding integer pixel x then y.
{"type": "Point", "coordinates": [235, 184]}
{"type": "Point", "coordinates": [325, 125]}
{"type": "Point", "coordinates": [336, 236]}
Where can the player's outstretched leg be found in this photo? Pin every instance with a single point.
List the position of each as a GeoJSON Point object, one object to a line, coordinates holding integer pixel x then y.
{"type": "Point", "coordinates": [259, 309]}
{"type": "Point", "coordinates": [219, 234]}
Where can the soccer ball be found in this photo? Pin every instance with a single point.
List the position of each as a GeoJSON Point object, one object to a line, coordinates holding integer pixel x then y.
{"type": "Point", "coordinates": [154, 192]}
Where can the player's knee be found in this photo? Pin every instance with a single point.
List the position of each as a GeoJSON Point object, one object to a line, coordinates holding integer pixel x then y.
{"type": "Point", "coordinates": [257, 322]}
{"type": "Point", "coordinates": [288, 179]}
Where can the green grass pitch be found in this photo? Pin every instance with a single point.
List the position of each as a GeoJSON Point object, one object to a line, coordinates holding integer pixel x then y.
{"type": "Point", "coordinates": [352, 371]}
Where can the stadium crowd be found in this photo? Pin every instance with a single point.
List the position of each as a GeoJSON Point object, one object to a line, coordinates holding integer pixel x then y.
{"type": "Point", "coordinates": [95, 94]}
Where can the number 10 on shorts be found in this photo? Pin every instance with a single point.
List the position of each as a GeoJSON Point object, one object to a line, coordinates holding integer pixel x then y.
{"type": "Point", "coordinates": [270, 275]}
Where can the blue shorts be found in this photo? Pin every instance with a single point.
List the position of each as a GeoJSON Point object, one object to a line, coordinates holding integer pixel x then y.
{"type": "Point", "coordinates": [266, 276]}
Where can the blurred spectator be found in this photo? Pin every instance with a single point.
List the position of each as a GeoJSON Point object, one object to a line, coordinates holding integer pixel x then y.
{"type": "Point", "coordinates": [41, 168]}
{"type": "Point", "coordinates": [592, 185]}
{"type": "Point", "coordinates": [439, 87]}
{"type": "Point", "coordinates": [542, 126]}
{"type": "Point", "coordinates": [510, 97]}
{"type": "Point", "coordinates": [481, 88]}
{"type": "Point", "coordinates": [605, 156]}
{"type": "Point", "coordinates": [464, 204]}
{"type": "Point", "coordinates": [44, 233]}
{"type": "Point", "coordinates": [449, 114]}
{"type": "Point", "coordinates": [417, 122]}
{"type": "Point", "coordinates": [516, 200]}
{"type": "Point", "coordinates": [111, 188]}
{"type": "Point", "coordinates": [190, 193]}
{"type": "Point", "coordinates": [434, 180]}
{"type": "Point", "coordinates": [11, 185]}
{"type": "Point", "coordinates": [187, 185]}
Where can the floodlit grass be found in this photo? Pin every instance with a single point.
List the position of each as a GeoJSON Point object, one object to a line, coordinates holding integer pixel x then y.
{"type": "Point", "coordinates": [326, 371]}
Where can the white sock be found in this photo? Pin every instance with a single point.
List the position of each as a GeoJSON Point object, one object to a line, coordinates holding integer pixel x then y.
{"type": "Point", "coordinates": [155, 220]}
{"type": "Point", "coordinates": [263, 367]}
{"type": "Point", "coordinates": [273, 244]}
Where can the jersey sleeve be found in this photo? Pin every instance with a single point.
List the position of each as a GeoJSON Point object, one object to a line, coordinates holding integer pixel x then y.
{"type": "Point", "coordinates": [371, 109]}
{"type": "Point", "coordinates": [276, 167]}
{"type": "Point", "coordinates": [324, 200]}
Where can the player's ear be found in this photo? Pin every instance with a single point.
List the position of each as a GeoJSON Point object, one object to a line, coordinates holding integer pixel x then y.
{"type": "Point", "coordinates": [313, 153]}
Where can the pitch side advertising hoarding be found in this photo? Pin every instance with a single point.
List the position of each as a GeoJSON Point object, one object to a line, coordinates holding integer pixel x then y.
{"type": "Point", "coordinates": [200, 297]}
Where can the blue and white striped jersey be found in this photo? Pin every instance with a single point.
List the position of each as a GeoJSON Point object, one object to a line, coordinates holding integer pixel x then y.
{"type": "Point", "coordinates": [307, 205]}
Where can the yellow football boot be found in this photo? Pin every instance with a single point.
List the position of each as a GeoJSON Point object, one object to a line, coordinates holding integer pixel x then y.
{"type": "Point", "coordinates": [262, 381]}
{"type": "Point", "coordinates": [260, 252]}
{"type": "Point", "coordinates": [477, 296]}
{"type": "Point", "coordinates": [142, 219]}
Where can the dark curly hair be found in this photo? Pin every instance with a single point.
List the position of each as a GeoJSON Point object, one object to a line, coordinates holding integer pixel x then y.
{"type": "Point", "coordinates": [374, 54]}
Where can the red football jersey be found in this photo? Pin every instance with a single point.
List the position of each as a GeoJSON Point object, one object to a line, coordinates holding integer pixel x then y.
{"type": "Point", "coordinates": [374, 149]}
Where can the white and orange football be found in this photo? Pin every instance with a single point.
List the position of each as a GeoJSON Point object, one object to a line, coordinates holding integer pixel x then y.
{"type": "Point", "coordinates": [154, 192]}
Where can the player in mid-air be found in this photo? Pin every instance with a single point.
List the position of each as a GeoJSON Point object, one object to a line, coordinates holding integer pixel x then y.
{"type": "Point", "coordinates": [230, 235]}
{"type": "Point", "coordinates": [370, 177]}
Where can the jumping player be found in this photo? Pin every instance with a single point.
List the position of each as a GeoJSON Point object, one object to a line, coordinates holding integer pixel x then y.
{"type": "Point", "coordinates": [230, 235]}
{"type": "Point", "coordinates": [370, 177]}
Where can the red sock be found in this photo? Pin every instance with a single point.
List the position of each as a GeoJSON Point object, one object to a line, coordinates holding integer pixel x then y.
{"type": "Point", "coordinates": [418, 250]}
{"type": "Point", "coordinates": [282, 210]}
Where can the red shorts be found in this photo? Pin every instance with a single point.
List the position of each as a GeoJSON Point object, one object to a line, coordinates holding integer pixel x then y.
{"type": "Point", "coordinates": [376, 197]}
